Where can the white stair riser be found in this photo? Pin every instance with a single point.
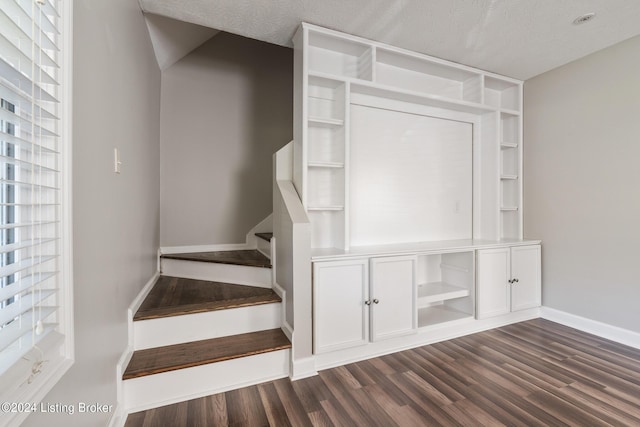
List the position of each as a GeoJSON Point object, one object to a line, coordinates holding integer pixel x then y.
{"type": "Point", "coordinates": [185, 384]}
{"type": "Point", "coordinates": [201, 326]}
{"type": "Point", "coordinates": [228, 273]}
{"type": "Point", "coordinates": [264, 247]}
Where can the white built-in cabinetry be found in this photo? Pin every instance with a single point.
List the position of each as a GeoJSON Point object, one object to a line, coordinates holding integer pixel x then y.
{"type": "Point", "coordinates": [508, 280]}
{"type": "Point", "coordinates": [363, 300]}
{"type": "Point", "coordinates": [377, 291]}
{"type": "Point", "coordinates": [334, 71]}
{"type": "Point", "coordinates": [445, 287]}
{"type": "Point", "coordinates": [392, 300]}
{"type": "Point", "coordinates": [374, 295]}
{"type": "Point", "coordinates": [340, 315]}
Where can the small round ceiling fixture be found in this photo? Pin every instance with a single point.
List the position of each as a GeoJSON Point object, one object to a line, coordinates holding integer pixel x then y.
{"type": "Point", "coordinates": [584, 18]}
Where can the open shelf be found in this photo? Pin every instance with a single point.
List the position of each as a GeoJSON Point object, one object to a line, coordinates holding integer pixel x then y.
{"type": "Point", "coordinates": [510, 223]}
{"type": "Point", "coordinates": [325, 145]}
{"type": "Point", "coordinates": [509, 128]}
{"type": "Point", "coordinates": [437, 314]}
{"type": "Point", "coordinates": [339, 56]}
{"type": "Point", "coordinates": [420, 98]}
{"type": "Point", "coordinates": [340, 73]}
{"type": "Point", "coordinates": [419, 74]}
{"type": "Point", "coordinates": [326, 165]}
{"type": "Point", "coordinates": [325, 101]}
{"type": "Point", "coordinates": [325, 121]}
{"type": "Point", "coordinates": [503, 94]}
{"type": "Point", "coordinates": [326, 208]}
{"type": "Point", "coordinates": [327, 226]}
{"type": "Point", "coordinates": [326, 187]}
{"type": "Point", "coordinates": [510, 189]}
{"type": "Point", "coordinates": [439, 291]}
{"type": "Point", "coordinates": [446, 289]}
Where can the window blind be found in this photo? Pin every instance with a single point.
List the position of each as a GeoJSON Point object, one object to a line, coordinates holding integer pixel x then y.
{"type": "Point", "coordinates": [31, 320]}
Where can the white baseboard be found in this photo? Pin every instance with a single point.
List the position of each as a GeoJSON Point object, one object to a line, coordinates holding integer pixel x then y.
{"type": "Point", "coordinates": [286, 328]}
{"type": "Point", "coordinates": [303, 368]}
{"type": "Point", "coordinates": [204, 248]}
{"type": "Point", "coordinates": [424, 336]}
{"type": "Point", "coordinates": [139, 299]}
{"type": "Point", "coordinates": [118, 418]}
{"type": "Point", "coordinates": [279, 290]}
{"type": "Point", "coordinates": [603, 330]}
{"type": "Point", "coordinates": [137, 302]}
{"type": "Point", "coordinates": [264, 226]}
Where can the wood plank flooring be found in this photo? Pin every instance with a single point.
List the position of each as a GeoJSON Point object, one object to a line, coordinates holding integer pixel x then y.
{"type": "Point", "coordinates": [535, 373]}
{"type": "Point", "coordinates": [175, 296]}
{"type": "Point", "coordinates": [251, 257]}
{"type": "Point", "coordinates": [178, 356]}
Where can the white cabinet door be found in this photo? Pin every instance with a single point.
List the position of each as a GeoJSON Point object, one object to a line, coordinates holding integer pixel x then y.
{"type": "Point", "coordinates": [340, 317]}
{"type": "Point", "coordinates": [392, 296]}
{"type": "Point", "coordinates": [525, 274]}
{"type": "Point", "coordinates": [492, 282]}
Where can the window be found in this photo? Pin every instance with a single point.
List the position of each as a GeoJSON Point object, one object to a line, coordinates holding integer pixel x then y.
{"type": "Point", "coordinates": [35, 280]}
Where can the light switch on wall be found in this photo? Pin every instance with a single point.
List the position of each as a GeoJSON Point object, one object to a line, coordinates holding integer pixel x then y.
{"type": "Point", "coordinates": [116, 160]}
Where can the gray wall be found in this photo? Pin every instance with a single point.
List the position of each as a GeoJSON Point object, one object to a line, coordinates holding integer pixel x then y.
{"type": "Point", "coordinates": [116, 217]}
{"type": "Point", "coordinates": [582, 183]}
{"type": "Point", "coordinates": [226, 109]}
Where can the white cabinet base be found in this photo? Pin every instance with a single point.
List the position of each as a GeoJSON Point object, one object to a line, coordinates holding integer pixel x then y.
{"type": "Point", "coordinates": [424, 336]}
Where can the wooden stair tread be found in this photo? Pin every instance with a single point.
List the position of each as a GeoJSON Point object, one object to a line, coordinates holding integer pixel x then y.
{"type": "Point", "coordinates": [175, 296]}
{"type": "Point", "coordinates": [248, 257]}
{"type": "Point", "coordinates": [265, 236]}
{"type": "Point", "coordinates": [186, 355]}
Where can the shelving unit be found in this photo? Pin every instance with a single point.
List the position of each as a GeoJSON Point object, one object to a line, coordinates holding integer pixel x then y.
{"type": "Point", "coordinates": [445, 287]}
{"type": "Point", "coordinates": [501, 93]}
{"type": "Point", "coordinates": [335, 71]}
{"type": "Point", "coordinates": [418, 73]}
{"type": "Point", "coordinates": [339, 56]}
{"type": "Point", "coordinates": [510, 171]}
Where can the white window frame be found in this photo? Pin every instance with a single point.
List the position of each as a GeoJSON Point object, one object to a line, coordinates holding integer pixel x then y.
{"type": "Point", "coordinates": [20, 385]}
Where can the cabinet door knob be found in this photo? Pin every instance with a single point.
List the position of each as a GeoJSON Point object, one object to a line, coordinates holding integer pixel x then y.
{"type": "Point", "coordinates": [368, 302]}
{"type": "Point", "coordinates": [510, 281]}
{"type": "Point", "coordinates": [376, 301]}
{"type": "Point", "coordinates": [516, 280]}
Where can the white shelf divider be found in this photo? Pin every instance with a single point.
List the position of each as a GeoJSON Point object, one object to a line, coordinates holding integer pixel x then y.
{"type": "Point", "coordinates": [506, 145]}
{"type": "Point", "coordinates": [326, 208]}
{"type": "Point", "coordinates": [325, 121]}
{"type": "Point", "coordinates": [429, 293]}
{"type": "Point", "coordinates": [336, 165]}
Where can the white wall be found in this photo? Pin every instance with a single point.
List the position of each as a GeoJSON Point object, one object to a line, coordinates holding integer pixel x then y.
{"type": "Point", "coordinates": [582, 183]}
{"type": "Point", "coordinates": [116, 217]}
{"type": "Point", "coordinates": [226, 109]}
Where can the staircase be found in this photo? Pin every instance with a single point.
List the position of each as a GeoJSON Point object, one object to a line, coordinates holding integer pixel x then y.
{"type": "Point", "coordinates": [211, 323]}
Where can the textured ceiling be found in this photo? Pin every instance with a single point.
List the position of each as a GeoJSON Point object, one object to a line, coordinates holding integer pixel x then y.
{"type": "Point", "coordinates": [517, 38]}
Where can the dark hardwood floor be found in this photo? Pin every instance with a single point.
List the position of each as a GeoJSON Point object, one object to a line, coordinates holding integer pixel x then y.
{"type": "Point", "coordinates": [535, 373]}
{"type": "Point", "coordinates": [265, 236]}
{"type": "Point", "coordinates": [186, 355]}
{"type": "Point", "coordinates": [175, 296]}
{"type": "Point", "coordinates": [251, 257]}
